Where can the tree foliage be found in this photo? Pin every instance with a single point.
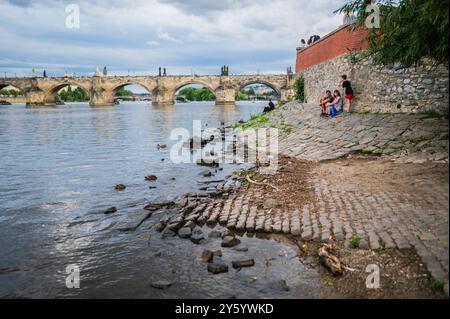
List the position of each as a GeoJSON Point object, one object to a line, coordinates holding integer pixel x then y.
{"type": "Point", "coordinates": [69, 95]}
{"type": "Point", "coordinates": [197, 94]}
{"type": "Point", "coordinates": [410, 30]}
{"type": "Point", "coordinates": [122, 92]}
{"type": "Point", "coordinates": [10, 93]}
{"type": "Point", "coordinates": [299, 88]}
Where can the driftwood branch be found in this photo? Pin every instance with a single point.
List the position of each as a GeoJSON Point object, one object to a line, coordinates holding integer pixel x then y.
{"type": "Point", "coordinates": [328, 260]}
{"type": "Point", "coordinates": [261, 184]}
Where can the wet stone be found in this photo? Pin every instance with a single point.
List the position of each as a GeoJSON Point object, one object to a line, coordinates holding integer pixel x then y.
{"type": "Point", "coordinates": [215, 234]}
{"type": "Point", "coordinates": [282, 285]}
{"type": "Point", "coordinates": [241, 249]}
{"type": "Point", "coordinates": [159, 227]}
{"type": "Point", "coordinates": [161, 284]}
{"type": "Point", "coordinates": [197, 238]}
{"type": "Point", "coordinates": [197, 231]}
{"type": "Point", "coordinates": [168, 233]}
{"type": "Point", "coordinates": [243, 263]}
{"type": "Point", "coordinates": [190, 224]}
{"type": "Point", "coordinates": [110, 210]}
{"type": "Point", "coordinates": [207, 256]}
{"type": "Point", "coordinates": [226, 233]}
{"type": "Point", "coordinates": [217, 268]}
{"type": "Point", "coordinates": [185, 232]}
{"type": "Point", "coordinates": [230, 241]}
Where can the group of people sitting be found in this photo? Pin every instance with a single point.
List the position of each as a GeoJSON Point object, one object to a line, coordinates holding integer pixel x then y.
{"type": "Point", "coordinates": [333, 103]}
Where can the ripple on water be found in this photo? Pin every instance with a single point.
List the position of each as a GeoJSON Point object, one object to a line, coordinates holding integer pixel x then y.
{"type": "Point", "coordinates": [58, 174]}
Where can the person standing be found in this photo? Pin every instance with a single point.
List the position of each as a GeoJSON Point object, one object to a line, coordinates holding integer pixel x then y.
{"type": "Point", "coordinates": [348, 91]}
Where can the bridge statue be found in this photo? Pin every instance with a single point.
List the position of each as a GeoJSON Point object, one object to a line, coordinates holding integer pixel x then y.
{"type": "Point", "coordinates": [40, 91]}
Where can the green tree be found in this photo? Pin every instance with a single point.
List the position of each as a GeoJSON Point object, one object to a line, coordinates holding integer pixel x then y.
{"type": "Point", "coordinates": [410, 30]}
{"type": "Point", "coordinates": [69, 95]}
{"type": "Point", "coordinates": [197, 94]}
{"type": "Point", "coordinates": [299, 88]}
{"type": "Point", "coordinates": [240, 96]}
{"type": "Point", "coordinates": [122, 92]}
{"type": "Point", "coordinates": [250, 91]}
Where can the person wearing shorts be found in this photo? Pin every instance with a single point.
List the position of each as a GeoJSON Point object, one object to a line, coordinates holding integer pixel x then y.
{"type": "Point", "coordinates": [348, 91]}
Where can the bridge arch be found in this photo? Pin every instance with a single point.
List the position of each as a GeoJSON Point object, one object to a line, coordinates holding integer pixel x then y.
{"type": "Point", "coordinates": [127, 83]}
{"type": "Point", "coordinates": [245, 84]}
{"type": "Point", "coordinates": [50, 94]}
{"type": "Point", "coordinates": [183, 84]}
{"type": "Point", "coordinates": [114, 94]}
{"type": "Point", "coordinates": [10, 90]}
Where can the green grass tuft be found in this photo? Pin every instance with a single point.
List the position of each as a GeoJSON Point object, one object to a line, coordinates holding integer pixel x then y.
{"type": "Point", "coordinates": [356, 241]}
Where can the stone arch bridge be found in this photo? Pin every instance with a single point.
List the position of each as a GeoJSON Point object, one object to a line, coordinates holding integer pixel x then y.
{"type": "Point", "coordinates": [39, 91]}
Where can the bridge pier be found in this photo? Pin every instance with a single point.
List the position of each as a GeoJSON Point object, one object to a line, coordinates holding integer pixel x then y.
{"type": "Point", "coordinates": [36, 98]}
{"type": "Point", "coordinates": [99, 96]}
{"type": "Point", "coordinates": [162, 96]}
{"type": "Point", "coordinates": [226, 93]}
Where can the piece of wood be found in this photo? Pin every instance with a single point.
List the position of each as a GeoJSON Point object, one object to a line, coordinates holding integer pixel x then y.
{"type": "Point", "coordinates": [330, 261]}
{"type": "Point", "coordinates": [260, 184]}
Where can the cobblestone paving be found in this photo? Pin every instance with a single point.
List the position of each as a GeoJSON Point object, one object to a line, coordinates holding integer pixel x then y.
{"type": "Point", "coordinates": [385, 213]}
{"type": "Point", "coordinates": [380, 218]}
{"type": "Point", "coordinates": [404, 138]}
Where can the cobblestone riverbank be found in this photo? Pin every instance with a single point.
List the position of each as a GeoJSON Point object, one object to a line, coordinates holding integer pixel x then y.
{"type": "Point", "coordinates": [373, 181]}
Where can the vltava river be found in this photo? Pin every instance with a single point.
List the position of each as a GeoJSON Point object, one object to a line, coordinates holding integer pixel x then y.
{"type": "Point", "coordinates": [59, 166]}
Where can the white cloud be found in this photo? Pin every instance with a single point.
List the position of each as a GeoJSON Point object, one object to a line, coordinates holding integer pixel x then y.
{"type": "Point", "coordinates": [153, 43]}
{"type": "Point", "coordinates": [165, 36]}
{"type": "Point", "coordinates": [141, 35]}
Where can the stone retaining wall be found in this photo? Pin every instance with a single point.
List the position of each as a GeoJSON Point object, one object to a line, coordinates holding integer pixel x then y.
{"type": "Point", "coordinates": [382, 89]}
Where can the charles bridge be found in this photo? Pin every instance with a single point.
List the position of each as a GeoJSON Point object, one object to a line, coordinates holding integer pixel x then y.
{"type": "Point", "coordinates": [41, 91]}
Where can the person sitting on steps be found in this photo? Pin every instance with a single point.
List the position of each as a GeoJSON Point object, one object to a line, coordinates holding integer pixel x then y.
{"type": "Point", "coordinates": [324, 101]}
{"type": "Point", "coordinates": [335, 107]}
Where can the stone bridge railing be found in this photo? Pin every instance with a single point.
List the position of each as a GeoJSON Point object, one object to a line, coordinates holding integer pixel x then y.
{"type": "Point", "coordinates": [102, 89]}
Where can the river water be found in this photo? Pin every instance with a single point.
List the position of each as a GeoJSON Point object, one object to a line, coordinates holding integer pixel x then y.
{"type": "Point", "coordinates": [57, 172]}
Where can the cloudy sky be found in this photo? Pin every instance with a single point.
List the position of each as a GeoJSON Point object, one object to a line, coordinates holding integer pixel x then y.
{"type": "Point", "coordinates": [138, 36]}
